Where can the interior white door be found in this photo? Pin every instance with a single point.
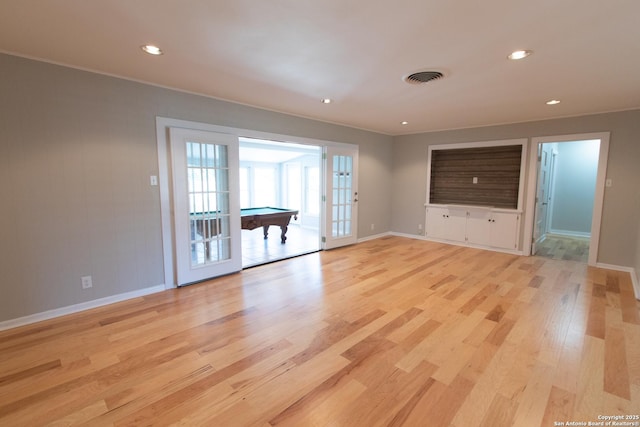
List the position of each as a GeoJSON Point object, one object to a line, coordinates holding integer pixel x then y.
{"type": "Point", "coordinates": [206, 204]}
{"type": "Point", "coordinates": [542, 196]}
{"type": "Point", "coordinates": [341, 196]}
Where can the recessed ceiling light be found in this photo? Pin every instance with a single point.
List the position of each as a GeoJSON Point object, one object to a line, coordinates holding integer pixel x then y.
{"type": "Point", "coordinates": [553, 102]}
{"type": "Point", "coordinates": [326, 100]}
{"type": "Point", "coordinates": [151, 49]}
{"type": "Point", "coordinates": [404, 123]}
{"type": "Point", "coordinates": [519, 54]}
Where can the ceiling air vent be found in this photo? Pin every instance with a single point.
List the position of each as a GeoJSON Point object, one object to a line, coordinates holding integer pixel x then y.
{"type": "Point", "coordinates": [423, 77]}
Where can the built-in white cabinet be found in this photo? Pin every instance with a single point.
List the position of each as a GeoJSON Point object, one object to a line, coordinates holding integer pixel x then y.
{"type": "Point", "coordinates": [446, 223]}
{"type": "Point", "coordinates": [473, 225]}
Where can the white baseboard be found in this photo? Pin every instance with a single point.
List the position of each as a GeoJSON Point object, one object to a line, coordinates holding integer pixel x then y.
{"type": "Point", "coordinates": [630, 270]}
{"type": "Point", "coordinates": [567, 233]}
{"type": "Point", "coordinates": [410, 236]}
{"type": "Point", "coordinates": [50, 314]}
{"type": "Point", "coordinates": [375, 236]}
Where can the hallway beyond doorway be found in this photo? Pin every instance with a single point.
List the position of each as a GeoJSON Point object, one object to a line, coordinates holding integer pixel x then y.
{"type": "Point", "coordinates": [564, 248]}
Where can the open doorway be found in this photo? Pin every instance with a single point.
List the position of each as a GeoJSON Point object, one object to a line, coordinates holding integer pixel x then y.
{"type": "Point", "coordinates": [565, 195]}
{"type": "Point", "coordinates": [332, 201]}
{"type": "Point", "coordinates": [568, 177]}
{"type": "Point", "coordinates": [275, 178]}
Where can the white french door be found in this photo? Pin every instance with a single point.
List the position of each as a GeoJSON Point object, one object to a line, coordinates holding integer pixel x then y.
{"type": "Point", "coordinates": [341, 196]}
{"type": "Point", "coordinates": [543, 197]}
{"type": "Point", "coordinates": [206, 204]}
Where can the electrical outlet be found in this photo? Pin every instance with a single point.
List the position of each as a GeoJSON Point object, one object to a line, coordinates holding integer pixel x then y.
{"type": "Point", "coordinates": [372, 227]}
{"type": "Point", "coordinates": [86, 282]}
{"type": "Point", "coordinates": [420, 229]}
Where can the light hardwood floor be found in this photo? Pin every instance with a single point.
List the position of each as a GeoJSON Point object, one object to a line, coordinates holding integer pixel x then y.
{"type": "Point", "coordinates": [388, 332]}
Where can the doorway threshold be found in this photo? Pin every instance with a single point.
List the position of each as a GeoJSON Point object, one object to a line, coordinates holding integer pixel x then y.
{"type": "Point", "coordinates": [256, 250]}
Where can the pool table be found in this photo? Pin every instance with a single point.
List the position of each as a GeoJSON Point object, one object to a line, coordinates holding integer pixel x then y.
{"type": "Point", "coordinates": [252, 218]}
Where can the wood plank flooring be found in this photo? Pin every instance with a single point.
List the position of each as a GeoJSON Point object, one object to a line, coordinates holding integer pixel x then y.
{"type": "Point", "coordinates": [389, 332]}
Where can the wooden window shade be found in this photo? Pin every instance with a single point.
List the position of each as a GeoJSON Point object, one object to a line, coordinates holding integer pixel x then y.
{"type": "Point", "coordinates": [497, 170]}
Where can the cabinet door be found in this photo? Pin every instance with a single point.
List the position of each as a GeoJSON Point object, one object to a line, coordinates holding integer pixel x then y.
{"type": "Point", "coordinates": [478, 227]}
{"type": "Point", "coordinates": [456, 224]}
{"type": "Point", "coordinates": [504, 230]}
{"type": "Point", "coordinates": [436, 223]}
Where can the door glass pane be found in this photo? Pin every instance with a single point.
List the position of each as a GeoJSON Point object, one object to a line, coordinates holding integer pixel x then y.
{"type": "Point", "coordinates": [193, 154]}
{"type": "Point", "coordinates": [223, 203]}
{"type": "Point", "coordinates": [210, 180]}
{"type": "Point", "coordinates": [208, 188]}
{"type": "Point", "coordinates": [225, 226]}
{"type": "Point", "coordinates": [342, 190]}
{"type": "Point", "coordinates": [222, 158]}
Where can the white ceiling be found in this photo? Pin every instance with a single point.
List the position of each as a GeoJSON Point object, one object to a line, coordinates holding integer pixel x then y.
{"type": "Point", "coordinates": [285, 55]}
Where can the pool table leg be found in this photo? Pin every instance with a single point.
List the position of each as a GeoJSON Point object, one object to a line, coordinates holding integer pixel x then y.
{"type": "Point", "coordinates": [283, 228]}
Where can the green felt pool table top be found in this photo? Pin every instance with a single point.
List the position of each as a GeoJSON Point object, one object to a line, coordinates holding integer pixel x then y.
{"type": "Point", "coordinates": [249, 212]}
{"type": "Point", "coordinates": [266, 211]}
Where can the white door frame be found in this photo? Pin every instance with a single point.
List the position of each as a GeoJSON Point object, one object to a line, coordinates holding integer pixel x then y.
{"type": "Point", "coordinates": [599, 193]}
{"type": "Point", "coordinates": [164, 175]}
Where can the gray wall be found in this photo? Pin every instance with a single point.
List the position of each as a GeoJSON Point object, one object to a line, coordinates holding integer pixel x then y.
{"type": "Point", "coordinates": [77, 149]}
{"type": "Point", "coordinates": [619, 240]}
{"type": "Point", "coordinates": [76, 152]}
{"type": "Point", "coordinates": [576, 168]}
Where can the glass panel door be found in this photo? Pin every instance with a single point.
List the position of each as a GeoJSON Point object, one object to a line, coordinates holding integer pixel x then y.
{"type": "Point", "coordinates": [341, 197]}
{"type": "Point", "coordinates": [209, 214]}
{"type": "Point", "coordinates": [206, 205]}
{"type": "Point", "coordinates": [341, 201]}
